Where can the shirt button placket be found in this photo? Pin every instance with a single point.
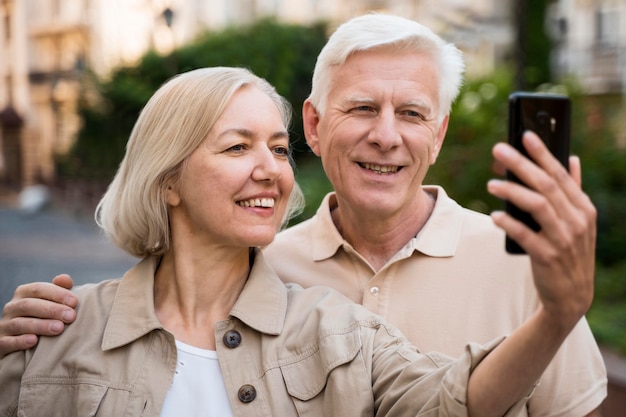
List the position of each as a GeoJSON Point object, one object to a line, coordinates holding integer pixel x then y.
{"type": "Point", "coordinates": [247, 392]}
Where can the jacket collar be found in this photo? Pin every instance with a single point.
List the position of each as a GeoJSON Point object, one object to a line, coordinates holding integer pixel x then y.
{"type": "Point", "coordinates": [262, 303]}
{"type": "Point", "coordinates": [438, 238]}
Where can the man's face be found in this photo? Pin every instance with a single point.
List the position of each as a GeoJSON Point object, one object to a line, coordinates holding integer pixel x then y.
{"type": "Point", "coordinates": [380, 132]}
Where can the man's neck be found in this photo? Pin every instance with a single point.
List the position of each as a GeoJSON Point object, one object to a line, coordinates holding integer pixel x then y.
{"type": "Point", "coordinates": [378, 239]}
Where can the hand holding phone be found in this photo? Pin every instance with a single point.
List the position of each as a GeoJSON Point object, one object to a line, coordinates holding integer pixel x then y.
{"type": "Point", "coordinates": [549, 116]}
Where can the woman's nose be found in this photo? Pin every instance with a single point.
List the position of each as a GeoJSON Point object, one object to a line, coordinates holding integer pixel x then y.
{"type": "Point", "coordinates": [267, 166]}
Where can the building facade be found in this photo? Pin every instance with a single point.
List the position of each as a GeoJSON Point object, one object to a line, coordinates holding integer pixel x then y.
{"type": "Point", "coordinates": [590, 40]}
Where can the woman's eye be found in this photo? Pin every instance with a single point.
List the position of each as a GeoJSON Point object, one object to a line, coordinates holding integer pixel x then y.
{"type": "Point", "coordinates": [237, 148]}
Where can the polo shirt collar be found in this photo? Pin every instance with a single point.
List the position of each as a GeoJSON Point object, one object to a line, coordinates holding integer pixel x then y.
{"type": "Point", "coordinates": [325, 238]}
{"type": "Point", "coordinates": [441, 234]}
{"type": "Point", "coordinates": [438, 238]}
{"type": "Point", "coordinates": [262, 303]}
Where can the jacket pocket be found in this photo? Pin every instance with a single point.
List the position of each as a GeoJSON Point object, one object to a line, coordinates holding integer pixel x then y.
{"type": "Point", "coordinates": [332, 379]}
{"type": "Point", "coordinates": [70, 400]}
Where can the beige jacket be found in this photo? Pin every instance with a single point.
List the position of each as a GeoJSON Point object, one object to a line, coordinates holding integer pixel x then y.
{"type": "Point", "coordinates": [283, 351]}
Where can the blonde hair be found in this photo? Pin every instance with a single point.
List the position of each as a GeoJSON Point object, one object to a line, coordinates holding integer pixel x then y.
{"type": "Point", "coordinates": [373, 31]}
{"type": "Point", "coordinates": [133, 212]}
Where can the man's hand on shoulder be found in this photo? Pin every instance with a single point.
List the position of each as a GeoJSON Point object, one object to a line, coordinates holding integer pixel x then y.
{"type": "Point", "coordinates": [37, 308]}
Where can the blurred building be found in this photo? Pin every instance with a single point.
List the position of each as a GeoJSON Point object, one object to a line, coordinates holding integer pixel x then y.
{"type": "Point", "coordinates": [590, 37]}
{"type": "Point", "coordinates": [590, 40]}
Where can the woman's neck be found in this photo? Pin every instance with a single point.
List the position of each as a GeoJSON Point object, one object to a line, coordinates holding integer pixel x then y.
{"type": "Point", "coordinates": [195, 289]}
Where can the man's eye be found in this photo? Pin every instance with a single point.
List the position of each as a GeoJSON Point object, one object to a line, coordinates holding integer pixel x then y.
{"type": "Point", "coordinates": [281, 151]}
{"type": "Point", "coordinates": [363, 108]}
{"type": "Point", "coordinates": [414, 114]}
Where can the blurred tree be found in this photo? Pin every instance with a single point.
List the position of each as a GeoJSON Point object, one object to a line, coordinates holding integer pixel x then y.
{"type": "Point", "coordinates": [281, 53]}
{"type": "Point", "coordinates": [532, 45]}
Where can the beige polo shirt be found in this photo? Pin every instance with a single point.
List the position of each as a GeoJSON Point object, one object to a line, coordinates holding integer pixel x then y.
{"type": "Point", "coordinates": [451, 284]}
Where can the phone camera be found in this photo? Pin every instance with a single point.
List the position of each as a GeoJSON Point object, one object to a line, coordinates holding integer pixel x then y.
{"type": "Point", "coordinates": [543, 118]}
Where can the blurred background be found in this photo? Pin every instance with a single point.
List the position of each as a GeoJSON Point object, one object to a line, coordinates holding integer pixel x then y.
{"type": "Point", "coordinates": [74, 75]}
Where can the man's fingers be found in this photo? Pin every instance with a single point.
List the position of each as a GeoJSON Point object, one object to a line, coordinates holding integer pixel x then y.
{"type": "Point", "coordinates": [31, 326]}
{"type": "Point", "coordinates": [10, 344]}
{"type": "Point", "coordinates": [38, 308]}
{"type": "Point", "coordinates": [48, 291]}
{"type": "Point", "coordinates": [575, 169]}
{"type": "Point", "coordinates": [63, 280]}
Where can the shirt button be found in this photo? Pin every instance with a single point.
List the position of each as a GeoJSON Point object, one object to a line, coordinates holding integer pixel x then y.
{"type": "Point", "coordinates": [247, 393]}
{"type": "Point", "coordinates": [232, 338]}
{"type": "Point", "coordinates": [374, 291]}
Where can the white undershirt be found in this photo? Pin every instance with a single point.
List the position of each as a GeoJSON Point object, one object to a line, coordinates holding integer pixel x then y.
{"type": "Point", "coordinates": [198, 388]}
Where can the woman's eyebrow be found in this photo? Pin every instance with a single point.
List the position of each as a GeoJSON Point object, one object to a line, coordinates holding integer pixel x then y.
{"type": "Point", "coordinates": [248, 133]}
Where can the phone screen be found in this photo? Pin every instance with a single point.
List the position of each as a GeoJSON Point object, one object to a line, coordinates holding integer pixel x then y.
{"type": "Point", "coordinates": [548, 115]}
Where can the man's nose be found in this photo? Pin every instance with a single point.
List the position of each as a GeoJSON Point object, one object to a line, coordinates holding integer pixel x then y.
{"type": "Point", "coordinates": [385, 133]}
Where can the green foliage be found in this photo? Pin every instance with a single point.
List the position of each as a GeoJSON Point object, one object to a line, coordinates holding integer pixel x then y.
{"type": "Point", "coordinates": [314, 183]}
{"type": "Point", "coordinates": [538, 45]}
{"type": "Point", "coordinates": [607, 316]}
{"type": "Point", "coordinates": [283, 54]}
{"type": "Point", "coordinates": [478, 120]}
{"type": "Point", "coordinates": [532, 46]}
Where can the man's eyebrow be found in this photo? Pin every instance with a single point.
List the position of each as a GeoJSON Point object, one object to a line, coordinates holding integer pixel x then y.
{"type": "Point", "coordinates": [359, 99]}
{"type": "Point", "coordinates": [414, 103]}
{"type": "Point", "coordinates": [418, 103]}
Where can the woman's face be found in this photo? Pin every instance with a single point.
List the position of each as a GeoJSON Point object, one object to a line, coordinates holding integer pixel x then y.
{"type": "Point", "coordinates": [235, 186]}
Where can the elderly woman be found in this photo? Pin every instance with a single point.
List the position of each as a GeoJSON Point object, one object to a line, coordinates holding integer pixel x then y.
{"type": "Point", "coordinates": [201, 325]}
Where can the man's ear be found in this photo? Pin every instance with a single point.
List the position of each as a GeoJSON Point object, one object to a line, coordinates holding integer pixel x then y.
{"type": "Point", "coordinates": [439, 138]}
{"type": "Point", "coordinates": [310, 121]}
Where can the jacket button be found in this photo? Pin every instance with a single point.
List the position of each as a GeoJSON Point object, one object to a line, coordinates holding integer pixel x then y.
{"type": "Point", "coordinates": [247, 393]}
{"type": "Point", "coordinates": [232, 338]}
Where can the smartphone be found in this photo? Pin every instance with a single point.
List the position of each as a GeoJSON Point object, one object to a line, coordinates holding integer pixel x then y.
{"type": "Point", "coordinates": [549, 116]}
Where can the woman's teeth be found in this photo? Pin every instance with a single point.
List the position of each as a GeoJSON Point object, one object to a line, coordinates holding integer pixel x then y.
{"type": "Point", "coordinates": [257, 202]}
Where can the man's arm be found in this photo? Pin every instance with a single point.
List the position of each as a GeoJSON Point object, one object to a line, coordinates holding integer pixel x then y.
{"type": "Point", "coordinates": [37, 308]}
{"type": "Point", "coordinates": [563, 262]}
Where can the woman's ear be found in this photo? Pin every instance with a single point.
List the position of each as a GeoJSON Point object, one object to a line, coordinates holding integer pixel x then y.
{"type": "Point", "coordinates": [172, 197]}
{"type": "Point", "coordinates": [310, 120]}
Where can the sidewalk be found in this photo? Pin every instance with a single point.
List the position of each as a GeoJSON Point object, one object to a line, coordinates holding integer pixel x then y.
{"type": "Point", "coordinates": [36, 247]}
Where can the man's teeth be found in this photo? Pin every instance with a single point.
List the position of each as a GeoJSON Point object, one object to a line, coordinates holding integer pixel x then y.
{"type": "Point", "coordinates": [257, 202]}
{"type": "Point", "coordinates": [380, 169]}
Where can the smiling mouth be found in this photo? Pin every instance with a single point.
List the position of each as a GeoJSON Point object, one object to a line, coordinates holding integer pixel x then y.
{"type": "Point", "coordinates": [257, 202]}
{"type": "Point", "coordinates": [380, 169]}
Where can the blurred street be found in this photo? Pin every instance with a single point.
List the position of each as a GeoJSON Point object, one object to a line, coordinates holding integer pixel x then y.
{"type": "Point", "coordinates": [38, 246]}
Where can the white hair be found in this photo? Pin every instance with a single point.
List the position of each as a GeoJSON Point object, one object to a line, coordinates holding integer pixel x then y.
{"type": "Point", "coordinates": [386, 31]}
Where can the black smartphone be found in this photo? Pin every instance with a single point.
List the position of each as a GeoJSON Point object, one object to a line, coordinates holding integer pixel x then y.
{"type": "Point", "coordinates": [549, 116]}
